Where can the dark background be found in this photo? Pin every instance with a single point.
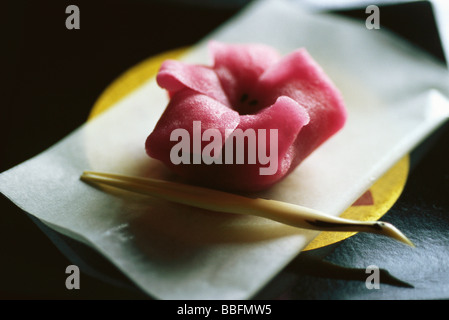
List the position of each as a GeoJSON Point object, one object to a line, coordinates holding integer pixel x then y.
{"type": "Point", "coordinates": [52, 76]}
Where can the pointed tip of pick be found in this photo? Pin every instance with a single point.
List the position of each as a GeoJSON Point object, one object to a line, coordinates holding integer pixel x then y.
{"type": "Point", "coordinates": [392, 232]}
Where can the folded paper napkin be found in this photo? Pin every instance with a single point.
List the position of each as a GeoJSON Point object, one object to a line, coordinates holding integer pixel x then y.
{"type": "Point", "coordinates": [395, 95]}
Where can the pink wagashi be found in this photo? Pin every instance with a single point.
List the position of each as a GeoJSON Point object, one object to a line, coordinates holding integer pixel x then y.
{"type": "Point", "coordinates": [248, 86]}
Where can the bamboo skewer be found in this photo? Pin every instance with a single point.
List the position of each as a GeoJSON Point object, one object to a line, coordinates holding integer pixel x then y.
{"type": "Point", "coordinates": [214, 200]}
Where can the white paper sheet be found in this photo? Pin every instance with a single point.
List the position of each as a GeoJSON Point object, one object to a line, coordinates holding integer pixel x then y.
{"type": "Point", "coordinates": [395, 95]}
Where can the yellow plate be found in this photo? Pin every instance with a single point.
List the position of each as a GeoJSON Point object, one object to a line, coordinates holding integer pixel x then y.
{"type": "Point", "coordinates": [371, 206]}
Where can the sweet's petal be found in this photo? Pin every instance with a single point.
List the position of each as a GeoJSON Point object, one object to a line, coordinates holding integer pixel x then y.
{"type": "Point", "coordinates": [288, 119]}
{"type": "Point", "coordinates": [285, 115]}
{"type": "Point", "coordinates": [238, 66]}
{"type": "Point", "coordinates": [184, 108]}
{"type": "Point", "coordinates": [299, 77]}
{"type": "Point", "coordinates": [175, 76]}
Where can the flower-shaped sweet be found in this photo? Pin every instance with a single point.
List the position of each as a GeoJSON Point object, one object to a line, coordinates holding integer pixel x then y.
{"type": "Point", "coordinates": [287, 103]}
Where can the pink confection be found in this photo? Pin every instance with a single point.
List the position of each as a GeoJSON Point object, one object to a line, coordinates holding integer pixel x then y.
{"type": "Point", "coordinates": [249, 86]}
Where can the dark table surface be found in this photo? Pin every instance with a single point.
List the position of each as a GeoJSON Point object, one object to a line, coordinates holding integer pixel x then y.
{"type": "Point", "coordinates": [53, 78]}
